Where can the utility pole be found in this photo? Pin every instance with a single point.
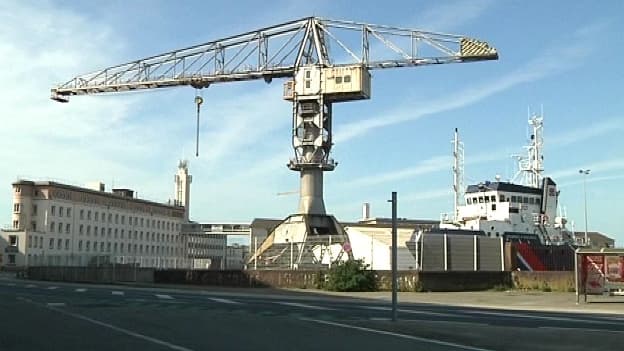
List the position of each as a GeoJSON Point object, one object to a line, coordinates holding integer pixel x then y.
{"type": "Point", "coordinates": [584, 173]}
{"type": "Point", "coordinates": [394, 255]}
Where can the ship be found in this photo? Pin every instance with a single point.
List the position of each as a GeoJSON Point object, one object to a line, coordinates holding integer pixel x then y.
{"type": "Point", "coordinates": [522, 212]}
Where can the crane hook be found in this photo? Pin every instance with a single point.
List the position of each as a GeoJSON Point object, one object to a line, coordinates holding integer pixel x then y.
{"type": "Point", "coordinates": [198, 101]}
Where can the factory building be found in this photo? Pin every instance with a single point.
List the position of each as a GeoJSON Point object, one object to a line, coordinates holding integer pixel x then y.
{"type": "Point", "coordinates": [61, 224]}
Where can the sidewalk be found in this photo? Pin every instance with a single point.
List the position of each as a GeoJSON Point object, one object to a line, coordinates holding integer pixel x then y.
{"type": "Point", "coordinates": [512, 300]}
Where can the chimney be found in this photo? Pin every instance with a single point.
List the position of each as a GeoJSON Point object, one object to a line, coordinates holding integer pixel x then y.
{"type": "Point", "coordinates": [365, 211]}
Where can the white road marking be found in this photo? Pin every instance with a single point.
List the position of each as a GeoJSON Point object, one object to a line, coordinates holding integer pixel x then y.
{"type": "Point", "coordinates": [166, 297]}
{"type": "Point", "coordinates": [121, 330]}
{"type": "Point", "coordinates": [52, 287]}
{"type": "Point", "coordinates": [119, 293]}
{"type": "Point", "coordinates": [303, 305]}
{"type": "Point", "coordinates": [550, 318]}
{"type": "Point", "coordinates": [398, 335]}
{"type": "Point", "coordinates": [80, 290]}
{"type": "Point", "coordinates": [55, 304]}
{"type": "Point", "coordinates": [380, 319]}
{"type": "Point", "coordinates": [381, 308]}
{"type": "Point", "coordinates": [583, 329]}
{"type": "Point", "coordinates": [216, 299]}
{"type": "Point", "coordinates": [31, 286]}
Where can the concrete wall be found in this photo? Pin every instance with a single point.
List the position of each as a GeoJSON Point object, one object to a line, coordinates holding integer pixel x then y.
{"type": "Point", "coordinates": [562, 281]}
{"type": "Point", "coordinates": [108, 274]}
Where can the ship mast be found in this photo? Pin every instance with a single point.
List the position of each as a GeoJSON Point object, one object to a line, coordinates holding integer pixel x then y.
{"type": "Point", "coordinates": [531, 166]}
{"type": "Point", "coordinates": [458, 174]}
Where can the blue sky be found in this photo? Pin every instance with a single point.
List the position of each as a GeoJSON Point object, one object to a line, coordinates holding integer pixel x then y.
{"type": "Point", "coordinates": [561, 55]}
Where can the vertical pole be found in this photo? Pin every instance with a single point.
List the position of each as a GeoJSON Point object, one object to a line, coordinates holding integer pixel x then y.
{"type": "Point", "coordinates": [329, 251]}
{"type": "Point", "coordinates": [445, 247]}
{"type": "Point", "coordinates": [394, 256]}
{"type": "Point", "coordinates": [576, 276]}
{"type": "Point", "coordinates": [585, 196]}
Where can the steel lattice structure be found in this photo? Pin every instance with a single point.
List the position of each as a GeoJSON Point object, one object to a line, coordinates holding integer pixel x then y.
{"type": "Point", "coordinates": [277, 52]}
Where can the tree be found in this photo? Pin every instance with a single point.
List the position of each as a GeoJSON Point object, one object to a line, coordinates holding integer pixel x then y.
{"type": "Point", "coordinates": [351, 275]}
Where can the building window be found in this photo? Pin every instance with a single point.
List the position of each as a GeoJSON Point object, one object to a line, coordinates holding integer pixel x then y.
{"type": "Point", "coordinates": [81, 214]}
{"type": "Point", "coordinates": [116, 232]}
{"type": "Point", "coordinates": [526, 200]}
{"type": "Point", "coordinates": [88, 246]}
{"type": "Point", "coordinates": [89, 214]}
{"type": "Point", "coordinates": [68, 212]}
{"type": "Point", "coordinates": [513, 199]}
{"type": "Point", "coordinates": [60, 227]}
{"type": "Point", "coordinates": [502, 198]}
{"type": "Point", "coordinates": [121, 247]}
{"type": "Point", "coordinates": [33, 226]}
{"type": "Point", "coordinates": [66, 244]}
{"type": "Point", "coordinates": [16, 224]}
{"type": "Point", "coordinates": [493, 207]}
{"type": "Point", "coordinates": [51, 243]}
{"type": "Point", "coordinates": [108, 247]}
{"type": "Point", "coordinates": [116, 218]}
{"type": "Point", "coordinates": [11, 259]}
{"type": "Point", "coordinates": [122, 233]}
{"type": "Point", "coordinates": [53, 210]}
{"type": "Point", "coordinates": [81, 229]}
{"type": "Point", "coordinates": [61, 210]}
{"type": "Point", "coordinates": [531, 200]}
{"type": "Point", "coordinates": [51, 227]}
{"type": "Point", "coordinates": [18, 189]}
{"type": "Point", "coordinates": [102, 246]}
{"type": "Point", "coordinates": [141, 222]}
{"type": "Point", "coordinates": [102, 232]}
{"type": "Point", "coordinates": [97, 216]}
{"type": "Point", "coordinates": [88, 230]}
{"type": "Point", "coordinates": [537, 201]}
{"type": "Point", "coordinates": [16, 208]}
{"type": "Point", "coordinates": [79, 245]}
{"type": "Point", "coordinates": [67, 228]}
{"type": "Point", "coordinates": [13, 240]}
{"type": "Point", "coordinates": [95, 231]}
{"type": "Point", "coordinates": [109, 232]}
{"type": "Point", "coordinates": [110, 218]}
{"type": "Point", "coordinates": [34, 210]}
{"type": "Point", "coordinates": [123, 219]}
{"type": "Point", "coordinates": [59, 242]}
{"type": "Point", "coordinates": [114, 247]}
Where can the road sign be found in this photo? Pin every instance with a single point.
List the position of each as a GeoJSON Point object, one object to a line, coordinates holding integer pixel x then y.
{"type": "Point", "coordinates": [599, 272]}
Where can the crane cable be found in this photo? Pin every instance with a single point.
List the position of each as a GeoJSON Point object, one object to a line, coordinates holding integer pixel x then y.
{"type": "Point", "coordinates": [198, 101]}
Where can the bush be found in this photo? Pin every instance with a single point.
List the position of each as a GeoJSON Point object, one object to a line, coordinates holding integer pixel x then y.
{"type": "Point", "coordinates": [351, 275]}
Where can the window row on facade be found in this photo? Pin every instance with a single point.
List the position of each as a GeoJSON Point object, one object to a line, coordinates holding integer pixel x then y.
{"type": "Point", "coordinates": [530, 200]}
{"type": "Point", "coordinates": [113, 218]}
{"type": "Point", "coordinates": [104, 247]}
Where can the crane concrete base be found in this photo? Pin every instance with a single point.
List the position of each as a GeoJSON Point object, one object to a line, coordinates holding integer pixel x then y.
{"type": "Point", "coordinates": [304, 241]}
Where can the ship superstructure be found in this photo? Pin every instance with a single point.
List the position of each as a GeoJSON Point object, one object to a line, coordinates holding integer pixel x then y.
{"type": "Point", "coordinates": [525, 211]}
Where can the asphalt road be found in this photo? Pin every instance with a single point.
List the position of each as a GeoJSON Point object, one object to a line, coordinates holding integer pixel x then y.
{"type": "Point", "coordinates": [59, 316]}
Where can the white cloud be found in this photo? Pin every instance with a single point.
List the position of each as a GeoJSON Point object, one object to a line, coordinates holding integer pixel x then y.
{"type": "Point", "coordinates": [448, 15]}
{"type": "Point", "coordinates": [596, 168]}
{"type": "Point", "coordinates": [548, 63]}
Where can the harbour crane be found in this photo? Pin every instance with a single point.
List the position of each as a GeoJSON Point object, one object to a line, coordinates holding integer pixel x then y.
{"type": "Point", "coordinates": [324, 61]}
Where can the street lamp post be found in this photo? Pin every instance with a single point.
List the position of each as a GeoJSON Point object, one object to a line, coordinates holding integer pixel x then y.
{"type": "Point", "coordinates": [584, 173]}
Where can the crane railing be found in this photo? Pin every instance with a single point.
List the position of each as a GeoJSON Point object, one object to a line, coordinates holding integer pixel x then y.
{"type": "Point", "coordinates": [277, 52]}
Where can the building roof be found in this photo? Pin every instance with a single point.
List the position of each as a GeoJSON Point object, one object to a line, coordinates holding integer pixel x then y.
{"type": "Point", "coordinates": [502, 186]}
{"type": "Point", "coordinates": [594, 236]}
{"type": "Point", "coordinates": [266, 223]}
{"type": "Point", "coordinates": [116, 196]}
{"type": "Point", "coordinates": [383, 234]}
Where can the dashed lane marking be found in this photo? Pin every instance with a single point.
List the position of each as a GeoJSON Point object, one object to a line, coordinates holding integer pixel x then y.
{"type": "Point", "coordinates": [31, 286]}
{"type": "Point", "coordinates": [56, 304]}
{"type": "Point", "coordinates": [231, 302]}
{"type": "Point", "coordinates": [80, 290]}
{"type": "Point", "coordinates": [118, 293]}
{"type": "Point", "coordinates": [52, 287]}
{"type": "Point", "coordinates": [303, 305]}
{"type": "Point", "coordinates": [166, 297]}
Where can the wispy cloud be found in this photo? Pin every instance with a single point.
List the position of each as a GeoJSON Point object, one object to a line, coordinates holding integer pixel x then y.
{"type": "Point", "coordinates": [596, 168]}
{"type": "Point", "coordinates": [591, 130]}
{"type": "Point", "coordinates": [550, 62]}
{"type": "Point", "coordinates": [432, 164]}
{"type": "Point", "coordinates": [590, 180]}
{"type": "Point", "coordinates": [448, 15]}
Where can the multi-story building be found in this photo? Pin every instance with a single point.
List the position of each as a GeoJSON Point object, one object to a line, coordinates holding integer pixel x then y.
{"type": "Point", "coordinates": [205, 244]}
{"type": "Point", "coordinates": [236, 256]}
{"type": "Point", "coordinates": [60, 224]}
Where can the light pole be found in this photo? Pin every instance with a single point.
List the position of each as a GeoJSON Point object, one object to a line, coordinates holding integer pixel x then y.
{"type": "Point", "coordinates": [584, 173]}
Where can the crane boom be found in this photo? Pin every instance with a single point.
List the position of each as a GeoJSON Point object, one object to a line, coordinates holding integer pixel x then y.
{"type": "Point", "coordinates": [277, 52]}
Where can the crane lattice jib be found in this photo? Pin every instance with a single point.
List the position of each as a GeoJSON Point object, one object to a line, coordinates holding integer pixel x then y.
{"type": "Point", "coordinates": [277, 52]}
